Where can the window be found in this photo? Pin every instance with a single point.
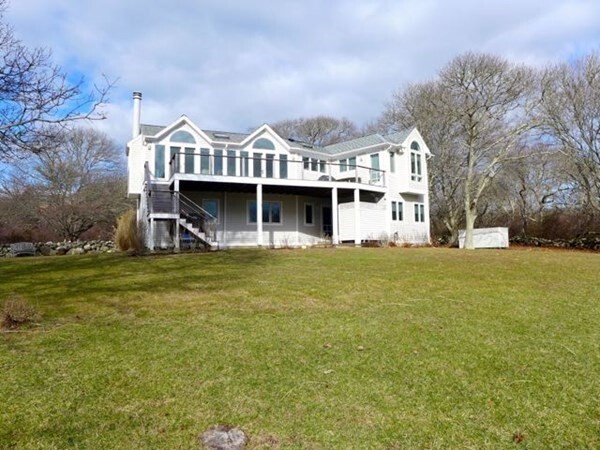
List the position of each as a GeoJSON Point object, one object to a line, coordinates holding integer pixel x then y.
{"type": "Point", "coordinates": [204, 161]}
{"type": "Point", "coordinates": [183, 136]}
{"type": "Point", "coordinates": [244, 164]}
{"type": "Point", "coordinates": [419, 212]}
{"type": "Point", "coordinates": [256, 164]}
{"type": "Point", "coordinates": [211, 206]}
{"type": "Point", "coordinates": [263, 144]}
{"type": "Point", "coordinates": [174, 159]}
{"type": "Point", "coordinates": [321, 166]}
{"type": "Point", "coordinates": [397, 213]}
{"type": "Point", "coordinates": [313, 164]}
{"type": "Point", "coordinates": [309, 214]}
{"type": "Point", "coordinates": [189, 160]}
{"type": "Point", "coordinates": [159, 161]}
{"type": "Point", "coordinates": [269, 165]}
{"type": "Point", "coordinates": [392, 162]}
{"type": "Point", "coordinates": [271, 212]}
{"type": "Point", "coordinates": [375, 174]}
{"type": "Point", "coordinates": [306, 161]}
{"type": "Point", "coordinates": [218, 162]}
{"type": "Point", "coordinates": [344, 165]}
{"type": "Point", "coordinates": [415, 162]}
{"type": "Point", "coordinates": [283, 166]}
{"type": "Point", "coordinates": [352, 163]}
{"type": "Point", "coordinates": [231, 163]}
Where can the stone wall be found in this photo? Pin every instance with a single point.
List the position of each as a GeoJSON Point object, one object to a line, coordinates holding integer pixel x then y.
{"type": "Point", "coordinates": [587, 243]}
{"type": "Point", "coordinates": [66, 248]}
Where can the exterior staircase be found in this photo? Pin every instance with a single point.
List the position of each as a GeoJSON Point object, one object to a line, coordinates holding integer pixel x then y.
{"type": "Point", "coordinates": [197, 221]}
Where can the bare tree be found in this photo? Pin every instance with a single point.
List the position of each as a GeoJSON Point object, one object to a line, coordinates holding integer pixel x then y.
{"type": "Point", "coordinates": [570, 111]}
{"type": "Point", "coordinates": [76, 181]}
{"type": "Point", "coordinates": [318, 130]}
{"type": "Point", "coordinates": [419, 105]}
{"type": "Point", "coordinates": [490, 101]}
{"type": "Point", "coordinates": [37, 95]}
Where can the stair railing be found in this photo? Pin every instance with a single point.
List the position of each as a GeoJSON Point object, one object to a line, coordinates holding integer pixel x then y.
{"type": "Point", "coordinates": [197, 216]}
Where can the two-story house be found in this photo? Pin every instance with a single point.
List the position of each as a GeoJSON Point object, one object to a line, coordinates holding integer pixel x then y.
{"type": "Point", "coordinates": [226, 189]}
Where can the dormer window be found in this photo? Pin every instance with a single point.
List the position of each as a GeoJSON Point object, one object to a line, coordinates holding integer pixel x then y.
{"type": "Point", "coordinates": [416, 173]}
{"type": "Point", "coordinates": [263, 144]}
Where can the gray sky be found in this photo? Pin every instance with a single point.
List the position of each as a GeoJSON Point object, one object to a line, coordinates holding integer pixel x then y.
{"type": "Point", "coordinates": [231, 65]}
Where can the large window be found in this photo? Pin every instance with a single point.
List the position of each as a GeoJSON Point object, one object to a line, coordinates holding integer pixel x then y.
{"type": "Point", "coordinates": [271, 212]}
{"type": "Point", "coordinates": [283, 166]}
{"type": "Point", "coordinates": [256, 164]}
{"type": "Point", "coordinates": [218, 162]}
{"type": "Point", "coordinates": [231, 163]}
{"type": "Point", "coordinates": [415, 162]}
{"type": "Point", "coordinates": [204, 161]}
{"type": "Point", "coordinates": [419, 212]}
{"type": "Point", "coordinates": [309, 214]}
{"type": "Point", "coordinates": [159, 161]}
{"type": "Point", "coordinates": [397, 211]}
{"type": "Point", "coordinates": [244, 164]}
{"type": "Point", "coordinates": [269, 165]}
{"type": "Point", "coordinates": [189, 160]}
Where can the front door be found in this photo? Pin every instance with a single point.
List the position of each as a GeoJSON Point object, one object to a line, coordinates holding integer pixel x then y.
{"type": "Point", "coordinates": [327, 222]}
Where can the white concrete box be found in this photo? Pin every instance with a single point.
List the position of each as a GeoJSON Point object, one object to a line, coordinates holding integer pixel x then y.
{"type": "Point", "coordinates": [486, 237]}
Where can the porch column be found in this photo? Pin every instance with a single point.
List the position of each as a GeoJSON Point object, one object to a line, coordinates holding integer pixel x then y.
{"type": "Point", "coordinates": [357, 238]}
{"type": "Point", "coordinates": [224, 219]}
{"type": "Point", "coordinates": [151, 234]}
{"type": "Point", "coordinates": [176, 211]}
{"type": "Point", "coordinates": [259, 218]}
{"type": "Point", "coordinates": [334, 216]}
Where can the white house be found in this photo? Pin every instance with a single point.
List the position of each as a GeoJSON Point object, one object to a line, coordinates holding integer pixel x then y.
{"type": "Point", "coordinates": [225, 189]}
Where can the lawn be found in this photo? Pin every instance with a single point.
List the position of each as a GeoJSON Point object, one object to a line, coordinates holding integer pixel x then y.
{"type": "Point", "coordinates": [318, 349]}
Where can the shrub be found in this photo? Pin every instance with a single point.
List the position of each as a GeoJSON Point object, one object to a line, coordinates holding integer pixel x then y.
{"type": "Point", "coordinates": [129, 235]}
{"type": "Point", "coordinates": [16, 312]}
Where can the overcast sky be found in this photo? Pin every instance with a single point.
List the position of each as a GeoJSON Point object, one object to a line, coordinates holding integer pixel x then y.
{"type": "Point", "coordinates": [230, 65]}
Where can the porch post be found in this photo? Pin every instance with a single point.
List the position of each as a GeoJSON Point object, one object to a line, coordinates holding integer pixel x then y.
{"type": "Point", "coordinates": [176, 211]}
{"type": "Point", "coordinates": [259, 218]}
{"type": "Point", "coordinates": [152, 234]}
{"type": "Point", "coordinates": [334, 216]}
{"type": "Point", "coordinates": [224, 219]}
{"type": "Point", "coordinates": [297, 243]}
{"type": "Point", "coordinates": [357, 237]}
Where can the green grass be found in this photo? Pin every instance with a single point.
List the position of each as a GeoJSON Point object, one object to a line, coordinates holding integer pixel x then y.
{"type": "Point", "coordinates": [320, 349]}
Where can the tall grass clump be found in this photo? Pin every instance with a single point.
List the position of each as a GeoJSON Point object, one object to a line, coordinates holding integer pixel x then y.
{"type": "Point", "coordinates": [129, 235]}
{"type": "Point", "coordinates": [17, 312]}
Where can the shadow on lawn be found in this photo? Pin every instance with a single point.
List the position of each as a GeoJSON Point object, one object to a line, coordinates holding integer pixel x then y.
{"type": "Point", "coordinates": [57, 281]}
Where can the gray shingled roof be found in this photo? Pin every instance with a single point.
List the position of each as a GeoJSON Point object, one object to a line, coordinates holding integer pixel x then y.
{"type": "Point", "coordinates": [151, 130]}
{"type": "Point", "coordinates": [366, 141]}
{"type": "Point", "coordinates": [334, 149]}
{"type": "Point", "coordinates": [232, 137]}
{"type": "Point", "coordinates": [400, 136]}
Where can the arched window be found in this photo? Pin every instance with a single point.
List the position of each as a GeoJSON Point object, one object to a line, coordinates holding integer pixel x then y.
{"type": "Point", "coordinates": [183, 136]}
{"type": "Point", "coordinates": [264, 144]}
{"type": "Point", "coordinates": [416, 172]}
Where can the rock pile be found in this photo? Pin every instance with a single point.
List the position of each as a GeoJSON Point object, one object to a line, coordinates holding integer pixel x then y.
{"type": "Point", "coordinates": [66, 248]}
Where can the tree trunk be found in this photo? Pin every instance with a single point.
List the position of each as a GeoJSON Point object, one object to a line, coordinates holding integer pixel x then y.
{"type": "Point", "coordinates": [471, 215]}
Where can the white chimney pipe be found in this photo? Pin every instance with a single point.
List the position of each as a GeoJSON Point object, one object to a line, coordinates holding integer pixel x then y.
{"type": "Point", "coordinates": [137, 112]}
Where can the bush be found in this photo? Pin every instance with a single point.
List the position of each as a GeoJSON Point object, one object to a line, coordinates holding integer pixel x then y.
{"type": "Point", "coordinates": [16, 312]}
{"type": "Point", "coordinates": [129, 235]}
